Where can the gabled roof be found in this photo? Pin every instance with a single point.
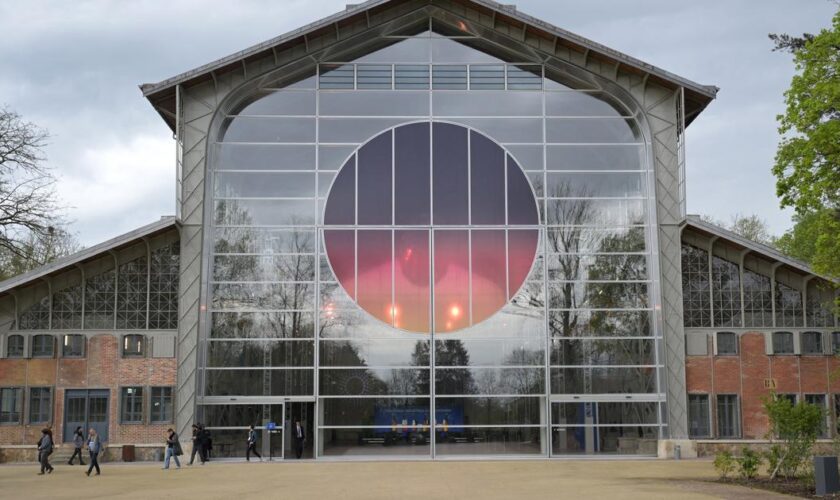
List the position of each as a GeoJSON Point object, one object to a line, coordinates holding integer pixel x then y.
{"type": "Point", "coordinates": [162, 94]}
{"type": "Point", "coordinates": [87, 254]}
{"type": "Point", "coordinates": [694, 221]}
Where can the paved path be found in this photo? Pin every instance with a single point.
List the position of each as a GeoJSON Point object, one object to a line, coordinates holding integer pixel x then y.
{"type": "Point", "coordinates": [487, 480]}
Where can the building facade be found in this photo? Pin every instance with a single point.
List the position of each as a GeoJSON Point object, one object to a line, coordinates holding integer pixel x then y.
{"type": "Point", "coordinates": [424, 229]}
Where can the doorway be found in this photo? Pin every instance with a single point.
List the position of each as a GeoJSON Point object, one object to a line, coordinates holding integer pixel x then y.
{"type": "Point", "coordinates": [86, 409]}
{"type": "Point", "coordinates": [304, 413]}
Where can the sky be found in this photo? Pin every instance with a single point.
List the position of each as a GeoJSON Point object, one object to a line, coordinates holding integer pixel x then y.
{"type": "Point", "coordinates": [74, 67]}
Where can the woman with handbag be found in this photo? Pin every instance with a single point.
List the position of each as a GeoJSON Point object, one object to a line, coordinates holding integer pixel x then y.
{"type": "Point", "coordinates": [173, 449]}
{"type": "Point", "coordinates": [45, 448]}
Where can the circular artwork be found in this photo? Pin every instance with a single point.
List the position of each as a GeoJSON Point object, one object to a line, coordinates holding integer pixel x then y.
{"type": "Point", "coordinates": [431, 226]}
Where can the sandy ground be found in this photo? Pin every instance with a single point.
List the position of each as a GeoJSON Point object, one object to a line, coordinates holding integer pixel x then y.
{"type": "Point", "coordinates": [486, 480]}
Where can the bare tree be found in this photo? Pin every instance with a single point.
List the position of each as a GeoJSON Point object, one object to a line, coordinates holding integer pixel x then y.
{"type": "Point", "coordinates": [27, 197]}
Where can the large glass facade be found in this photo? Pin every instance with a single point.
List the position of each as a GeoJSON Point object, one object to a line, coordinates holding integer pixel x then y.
{"type": "Point", "coordinates": [445, 252]}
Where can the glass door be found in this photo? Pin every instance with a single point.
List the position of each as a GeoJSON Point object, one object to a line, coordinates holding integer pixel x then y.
{"type": "Point", "coordinates": [86, 409]}
{"type": "Point", "coordinates": [604, 425]}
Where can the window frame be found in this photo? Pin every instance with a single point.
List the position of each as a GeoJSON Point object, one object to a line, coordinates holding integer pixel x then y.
{"type": "Point", "coordinates": [64, 345]}
{"type": "Point", "coordinates": [708, 429]}
{"type": "Point", "coordinates": [18, 390]}
{"type": "Point", "coordinates": [825, 432]}
{"type": "Point", "coordinates": [125, 405]}
{"type": "Point", "coordinates": [820, 349]}
{"type": "Point", "coordinates": [737, 417]}
{"type": "Point", "coordinates": [30, 406]}
{"type": "Point", "coordinates": [35, 345]}
{"type": "Point", "coordinates": [717, 344]}
{"type": "Point", "coordinates": [161, 398]}
{"type": "Point", "coordinates": [776, 352]}
{"type": "Point", "coordinates": [127, 339]}
{"type": "Point", "coordinates": [835, 343]}
{"type": "Point", "coordinates": [22, 352]}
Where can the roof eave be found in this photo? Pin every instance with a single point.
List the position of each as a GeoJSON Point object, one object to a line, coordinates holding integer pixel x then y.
{"type": "Point", "coordinates": [701, 94]}
{"type": "Point", "coordinates": [87, 254]}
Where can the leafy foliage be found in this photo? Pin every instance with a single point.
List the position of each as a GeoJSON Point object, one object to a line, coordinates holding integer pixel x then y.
{"type": "Point", "coordinates": [751, 227]}
{"type": "Point", "coordinates": [797, 427]}
{"type": "Point", "coordinates": [748, 463]}
{"type": "Point", "coordinates": [724, 463]}
{"type": "Point", "coordinates": [808, 158]}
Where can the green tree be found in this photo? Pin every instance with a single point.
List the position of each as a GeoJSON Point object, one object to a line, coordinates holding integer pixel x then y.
{"type": "Point", "coordinates": [797, 427]}
{"type": "Point", "coordinates": [807, 165]}
{"type": "Point", "coordinates": [751, 227]}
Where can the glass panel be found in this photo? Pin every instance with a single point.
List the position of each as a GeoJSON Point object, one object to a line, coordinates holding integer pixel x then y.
{"type": "Point", "coordinates": [234, 296]}
{"type": "Point", "coordinates": [411, 174]}
{"type": "Point", "coordinates": [449, 77]}
{"type": "Point", "coordinates": [374, 352]}
{"type": "Point", "coordinates": [521, 208]}
{"type": "Point", "coordinates": [451, 275]}
{"type": "Point", "coordinates": [611, 440]}
{"type": "Point", "coordinates": [411, 280]}
{"type": "Point", "coordinates": [341, 204]}
{"type": "Point", "coordinates": [581, 104]}
{"type": "Point", "coordinates": [341, 248]}
{"type": "Point", "coordinates": [695, 283]}
{"type": "Point", "coordinates": [450, 176]}
{"type": "Point", "coordinates": [265, 157]}
{"type": "Point", "coordinates": [250, 325]}
{"type": "Point", "coordinates": [524, 77]}
{"type": "Point", "coordinates": [490, 352]}
{"type": "Point", "coordinates": [726, 289]}
{"type": "Point", "coordinates": [590, 130]}
{"type": "Point", "coordinates": [487, 77]}
{"type": "Point", "coordinates": [600, 323]}
{"type": "Point", "coordinates": [389, 414]}
{"type": "Point", "coordinates": [353, 131]}
{"type": "Point", "coordinates": [600, 157]}
{"type": "Point", "coordinates": [595, 185]}
{"type": "Point", "coordinates": [598, 295]}
{"type": "Point", "coordinates": [258, 382]}
{"type": "Point", "coordinates": [489, 441]}
{"type": "Point", "coordinates": [258, 353]}
{"type": "Point", "coordinates": [487, 179]}
{"type": "Point", "coordinates": [488, 279]}
{"type": "Point", "coordinates": [374, 180]}
{"type": "Point", "coordinates": [595, 212]}
{"type": "Point", "coordinates": [373, 76]}
{"type": "Point", "coordinates": [375, 285]}
{"type": "Point", "coordinates": [411, 76]}
{"type": "Point", "coordinates": [470, 103]}
{"type": "Point", "coordinates": [606, 267]}
{"type": "Point", "coordinates": [264, 185]}
{"type": "Point", "coordinates": [280, 103]}
{"type": "Point", "coordinates": [603, 352]}
{"type": "Point", "coordinates": [376, 442]}
{"type": "Point", "coordinates": [239, 240]}
{"type": "Point", "coordinates": [269, 129]}
{"type": "Point", "coordinates": [334, 76]}
{"type": "Point", "coordinates": [788, 306]}
{"type": "Point", "coordinates": [495, 410]}
{"type": "Point", "coordinates": [373, 381]}
{"type": "Point", "coordinates": [603, 380]}
{"type": "Point", "coordinates": [580, 240]}
{"type": "Point", "coordinates": [333, 157]}
{"type": "Point", "coordinates": [507, 130]}
{"type": "Point", "coordinates": [372, 103]}
{"type": "Point", "coordinates": [265, 212]}
{"type": "Point", "coordinates": [465, 381]}
{"type": "Point", "coordinates": [264, 268]}
{"type": "Point", "coordinates": [698, 416]}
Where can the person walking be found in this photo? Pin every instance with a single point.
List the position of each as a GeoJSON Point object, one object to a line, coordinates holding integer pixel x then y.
{"type": "Point", "coordinates": [252, 445]}
{"type": "Point", "coordinates": [300, 438]}
{"type": "Point", "coordinates": [173, 449]}
{"type": "Point", "coordinates": [45, 448]}
{"type": "Point", "coordinates": [78, 443]}
{"type": "Point", "coordinates": [195, 446]}
{"type": "Point", "coordinates": [94, 447]}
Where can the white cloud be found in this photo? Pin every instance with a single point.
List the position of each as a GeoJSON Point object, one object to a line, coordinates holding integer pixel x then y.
{"type": "Point", "coordinates": [117, 187]}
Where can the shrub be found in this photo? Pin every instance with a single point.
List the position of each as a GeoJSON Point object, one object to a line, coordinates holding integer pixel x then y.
{"type": "Point", "coordinates": [797, 426]}
{"type": "Point", "coordinates": [724, 463]}
{"type": "Point", "coordinates": [748, 463]}
{"type": "Point", "coordinates": [773, 457]}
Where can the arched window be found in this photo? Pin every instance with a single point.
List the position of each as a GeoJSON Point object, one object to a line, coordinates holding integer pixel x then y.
{"type": "Point", "coordinates": [14, 346]}
{"type": "Point", "coordinates": [43, 346]}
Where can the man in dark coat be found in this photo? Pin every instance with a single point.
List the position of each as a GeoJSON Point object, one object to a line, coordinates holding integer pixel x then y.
{"type": "Point", "coordinates": [299, 437]}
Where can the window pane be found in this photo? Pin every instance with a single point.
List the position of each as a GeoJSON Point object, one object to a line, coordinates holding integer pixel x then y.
{"type": "Point", "coordinates": [450, 174]}
{"type": "Point", "coordinates": [727, 343]}
{"type": "Point", "coordinates": [411, 174]}
{"type": "Point", "coordinates": [451, 275]}
{"type": "Point", "coordinates": [411, 280]}
{"type": "Point", "coordinates": [698, 415]}
{"type": "Point", "coordinates": [375, 274]}
{"type": "Point", "coordinates": [374, 180]}
{"type": "Point", "coordinates": [487, 175]}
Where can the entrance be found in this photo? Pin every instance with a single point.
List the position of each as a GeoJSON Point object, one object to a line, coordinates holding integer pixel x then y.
{"type": "Point", "coordinates": [86, 408]}
{"type": "Point", "coordinates": [304, 413]}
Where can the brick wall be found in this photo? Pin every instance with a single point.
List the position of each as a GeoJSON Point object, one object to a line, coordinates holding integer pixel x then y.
{"type": "Point", "coordinates": [745, 375]}
{"type": "Point", "coordinates": [102, 368]}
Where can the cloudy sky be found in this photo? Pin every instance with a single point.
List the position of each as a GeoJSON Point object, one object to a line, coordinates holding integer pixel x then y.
{"type": "Point", "coordinates": [74, 67]}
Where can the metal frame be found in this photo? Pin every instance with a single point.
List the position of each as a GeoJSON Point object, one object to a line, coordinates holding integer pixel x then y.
{"type": "Point", "coordinates": [646, 170]}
